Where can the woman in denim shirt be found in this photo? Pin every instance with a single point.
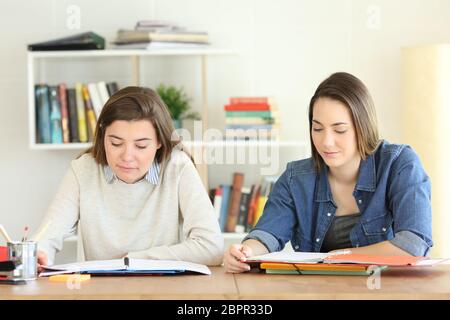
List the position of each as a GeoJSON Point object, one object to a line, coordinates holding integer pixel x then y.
{"type": "Point", "coordinates": [356, 192]}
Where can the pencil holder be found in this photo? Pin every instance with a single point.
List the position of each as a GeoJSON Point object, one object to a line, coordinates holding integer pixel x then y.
{"type": "Point", "coordinates": [24, 254]}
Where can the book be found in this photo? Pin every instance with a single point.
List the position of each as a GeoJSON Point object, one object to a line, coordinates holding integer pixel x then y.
{"type": "Point", "coordinates": [235, 200]}
{"type": "Point", "coordinates": [252, 100]}
{"type": "Point", "coordinates": [43, 114]}
{"type": "Point", "coordinates": [250, 121]}
{"type": "Point", "coordinates": [65, 119]}
{"type": "Point", "coordinates": [162, 45]}
{"type": "Point", "coordinates": [112, 88]}
{"type": "Point", "coordinates": [97, 102]}
{"type": "Point", "coordinates": [103, 92]}
{"type": "Point", "coordinates": [73, 115]}
{"type": "Point", "coordinates": [344, 257]}
{"type": "Point", "coordinates": [81, 113]}
{"type": "Point", "coordinates": [217, 202]}
{"type": "Point", "coordinates": [136, 36]}
{"type": "Point", "coordinates": [90, 114]}
{"type": "Point", "coordinates": [83, 41]}
{"type": "Point", "coordinates": [226, 191]}
{"type": "Point", "coordinates": [243, 210]}
{"type": "Point", "coordinates": [248, 107]}
{"type": "Point", "coordinates": [252, 114]}
{"type": "Point", "coordinates": [320, 269]}
{"type": "Point", "coordinates": [55, 116]}
{"type": "Point", "coordinates": [255, 191]}
{"type": "Point", "coordinates": [127, 266]}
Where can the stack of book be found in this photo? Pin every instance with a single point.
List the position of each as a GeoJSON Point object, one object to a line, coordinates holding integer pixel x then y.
{"type": "Point", "coordinates": [249, 118]}
{"type": "Point", "coordinates": [159, 34]}
{"type": "Point", "coordinates": [69, 115]}
{"type": "Point", "coordinates": [335, 263]}
{"type": "Point", "coordinates": [238, 207]}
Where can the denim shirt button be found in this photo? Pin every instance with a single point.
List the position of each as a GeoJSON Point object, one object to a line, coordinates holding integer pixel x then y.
{"type": "Point", "coordinates": [296, 247]}
{"type": "Point", "coordinates": [318, 239]}
{"type": "Point", "coordinates": [384, 229]}
{"type": "Point", "coordinates": [359, 201]}
{"type": "Point", "coordinates": [328, 214]}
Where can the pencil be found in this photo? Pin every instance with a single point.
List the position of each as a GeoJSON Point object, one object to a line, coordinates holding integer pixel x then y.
{"type": "Point", "coordinates": [5, 234]}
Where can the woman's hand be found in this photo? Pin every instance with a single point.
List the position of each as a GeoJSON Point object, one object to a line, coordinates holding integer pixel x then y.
{"type": "Point", "coordinates": [233, 257]}
{"type": "Point", "coordinates": [42, 260]}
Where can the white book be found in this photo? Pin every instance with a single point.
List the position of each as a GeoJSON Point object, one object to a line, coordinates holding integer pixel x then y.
{"type": "Point", "coordinates": [103, 92]}
{"type": "Point", "coordinates": [95, 98]}
{"type": "Point", "coordinates": [127, 266]}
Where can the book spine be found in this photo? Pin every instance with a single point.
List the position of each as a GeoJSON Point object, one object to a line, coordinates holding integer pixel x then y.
{"type": "Point", "coordinates": [103, 92]}
{"type": "Point", "coordinates": [249, 100]}
{"type": "Point", "coordinates": [243, 210]}
{"type": "Point", "coordinates": [225, 206]}
{"type": "Point", "coordinates": [64, 113]}
{"type": "Point", "coordinates": [233, 212]}
{"type": "Point", "coordinates": [91, 121]}
{"type": "Point", "coordinates": [218, 201]}
{"type": "Point", "coordinates": [82, 128]}
{"type": "Point", "coordinates": [250, 114]}
{"type": "Point", "coordinates": [55, 116]}
{"type": "Point", "coordinates": [97, 103]}
{"type": "Point", "coordinates": [73, 122]}
{"type": "Point", "coordinates": [43, 114]}
{"type": "Point", "coordinates": [247, 107]}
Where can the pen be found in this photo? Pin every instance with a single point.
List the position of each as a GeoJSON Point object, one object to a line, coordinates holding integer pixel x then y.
{"type": "Point", "coordinates": [25, 234]}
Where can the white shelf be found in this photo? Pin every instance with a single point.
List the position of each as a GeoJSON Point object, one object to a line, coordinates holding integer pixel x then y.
{"type": "Point", "coordinates": [60, 146]}
{"type": "Point", "coordinates": [128, 53]}
{"type": "Point", "coordinates": [187, 144]}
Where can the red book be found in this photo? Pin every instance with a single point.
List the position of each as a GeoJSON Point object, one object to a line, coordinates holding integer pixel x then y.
{"type": "Point", "coordinates": [248, 107]}
{"type": "Point", "coordinates": [250, 100]}
{"type": "Point", "coordinates": [3, 253]}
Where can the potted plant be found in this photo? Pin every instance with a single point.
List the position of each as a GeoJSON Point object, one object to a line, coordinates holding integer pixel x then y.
{"type": "Point", "coordinates": [178, 104]}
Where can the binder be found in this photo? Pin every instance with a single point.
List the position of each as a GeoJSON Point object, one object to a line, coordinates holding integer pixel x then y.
{"type": "Point", "coordinates": [83, 41]}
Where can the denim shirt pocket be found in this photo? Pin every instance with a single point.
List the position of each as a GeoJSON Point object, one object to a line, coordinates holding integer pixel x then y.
{"type": "Point", "coordinates": [379, 228]}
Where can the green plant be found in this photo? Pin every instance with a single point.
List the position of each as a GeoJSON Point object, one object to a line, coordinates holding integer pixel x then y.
{"type": "Point", "coordinates": [177, 102]}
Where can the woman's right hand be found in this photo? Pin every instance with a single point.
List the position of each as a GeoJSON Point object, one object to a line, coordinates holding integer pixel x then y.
{"type": "Point", "coordinates": [234, 256]}
{"type": "Point", "coordinates": [42, 260]}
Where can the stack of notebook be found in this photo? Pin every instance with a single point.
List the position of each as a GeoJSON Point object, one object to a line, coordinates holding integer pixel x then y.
{"type": "Point", "coordinates": [334, 263]}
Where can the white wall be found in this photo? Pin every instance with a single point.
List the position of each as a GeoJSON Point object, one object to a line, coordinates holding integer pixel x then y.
{"type": "Point", "coordinates": [285, 48]}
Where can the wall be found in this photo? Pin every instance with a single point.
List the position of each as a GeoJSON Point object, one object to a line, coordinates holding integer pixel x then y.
{"type": "Point", "coordinates": [285, 48]}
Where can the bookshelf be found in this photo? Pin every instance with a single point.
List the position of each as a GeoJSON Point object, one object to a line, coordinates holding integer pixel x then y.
{"type": "Point", "coordinates": [36, 73]}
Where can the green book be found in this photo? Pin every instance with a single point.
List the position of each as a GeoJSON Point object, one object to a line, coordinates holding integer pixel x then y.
{"type": "Point", "coordinates": [250, 114]}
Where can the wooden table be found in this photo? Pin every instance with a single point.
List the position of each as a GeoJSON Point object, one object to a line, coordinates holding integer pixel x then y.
{"type": "Point", "coordinates": [423, 283]}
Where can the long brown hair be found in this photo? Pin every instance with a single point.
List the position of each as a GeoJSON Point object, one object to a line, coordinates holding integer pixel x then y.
{"type": "Point", "coordinates": [352, 92]}
{"type": "Point", "coordinates": [131, 104]}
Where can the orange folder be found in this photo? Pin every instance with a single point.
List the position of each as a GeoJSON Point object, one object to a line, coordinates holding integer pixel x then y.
{"type": "Point", "coordinates": [367, 259]}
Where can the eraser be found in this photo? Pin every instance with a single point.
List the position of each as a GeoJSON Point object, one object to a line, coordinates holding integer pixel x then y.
{"type": "Point", "coordinates": [70, 277]}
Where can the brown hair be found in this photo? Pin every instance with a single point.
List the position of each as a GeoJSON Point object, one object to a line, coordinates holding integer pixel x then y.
{"type": "Point", "coordinates": [352, 92]}
{"type": "Point", "coordinates": [131, 104]}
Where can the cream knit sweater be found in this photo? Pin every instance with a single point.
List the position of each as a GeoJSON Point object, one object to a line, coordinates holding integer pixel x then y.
{"type": "Point", "coordinates": [171, 220]}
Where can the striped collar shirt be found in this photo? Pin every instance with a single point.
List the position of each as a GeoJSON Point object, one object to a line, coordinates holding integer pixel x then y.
{"type": "Point", "coordinates": [152, 175]}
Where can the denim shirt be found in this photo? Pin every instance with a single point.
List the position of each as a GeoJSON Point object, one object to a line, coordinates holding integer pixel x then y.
{"type": "Point", "coordinates": [393, 194]}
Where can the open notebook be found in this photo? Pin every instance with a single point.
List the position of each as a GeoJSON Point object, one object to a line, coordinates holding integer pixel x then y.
{"type": "Point", "coordinates": [127, 266]}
